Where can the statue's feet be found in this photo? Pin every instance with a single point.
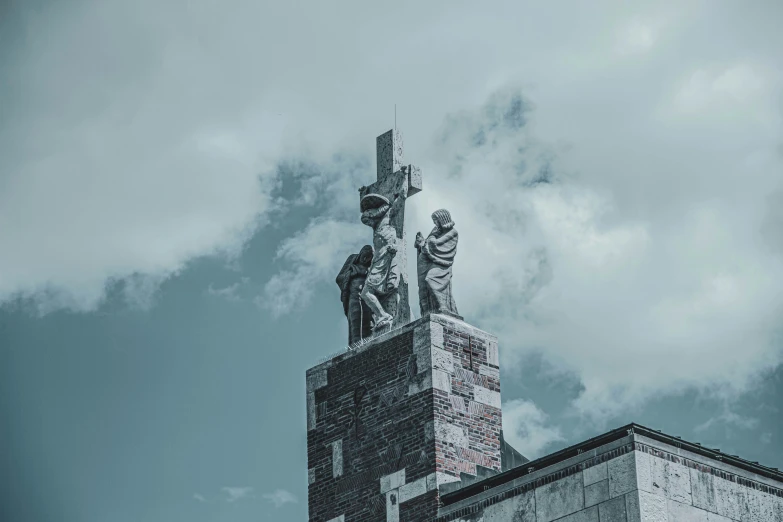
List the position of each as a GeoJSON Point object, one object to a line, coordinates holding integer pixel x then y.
{"type": "Point", "coordinates": [383, 322]}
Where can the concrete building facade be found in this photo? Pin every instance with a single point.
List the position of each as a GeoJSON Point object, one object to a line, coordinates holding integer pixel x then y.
{"type": "Point", "coordinates": [632, 474]}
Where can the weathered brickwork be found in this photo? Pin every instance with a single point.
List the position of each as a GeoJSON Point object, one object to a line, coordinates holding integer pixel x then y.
{"type": "Point", "coordinates": [473, 404]}
{"type": "Point", "coordinates": [392, 421]}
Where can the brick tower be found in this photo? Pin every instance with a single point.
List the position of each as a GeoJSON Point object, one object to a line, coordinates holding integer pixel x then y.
{"type": "Point", "coordinates": [402, 419]}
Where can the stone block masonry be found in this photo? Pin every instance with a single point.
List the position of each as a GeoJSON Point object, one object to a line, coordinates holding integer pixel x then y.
{"type": "Point", "coordinates": [630, 479]}
{"type": "Point", "coordinates": [400, 417]}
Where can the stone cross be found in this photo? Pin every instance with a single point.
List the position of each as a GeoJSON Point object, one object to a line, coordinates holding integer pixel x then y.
{"type": "Point", "coordinates": [396, 182]}
{"type": "Point", "coordinates": [469, 351]}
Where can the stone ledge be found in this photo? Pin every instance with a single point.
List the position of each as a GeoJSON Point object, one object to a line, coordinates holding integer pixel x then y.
{"type": "Point", "coordinates": [458, 325]}
{"type": "Point", "coordinates": [710, 461]}
{"type": "Point", "coordinates": [706, 468]}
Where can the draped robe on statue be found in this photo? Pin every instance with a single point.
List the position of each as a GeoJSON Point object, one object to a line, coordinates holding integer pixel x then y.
{"type": "Point", "coordinates": [351, 278]}
{"type": "Point", "coordinates": [435, 260]}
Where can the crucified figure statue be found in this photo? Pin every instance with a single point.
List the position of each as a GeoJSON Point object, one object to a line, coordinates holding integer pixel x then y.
{"type": "Point", "coordinates": [383, 276]}
{"type": "Point", "coordinates": [385, 289]}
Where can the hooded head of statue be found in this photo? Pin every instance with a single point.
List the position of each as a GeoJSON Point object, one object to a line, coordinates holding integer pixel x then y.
{"type": "Point", "coordinates": [365, 256]}
{"type": "Point", "coordinates": [442, 219]}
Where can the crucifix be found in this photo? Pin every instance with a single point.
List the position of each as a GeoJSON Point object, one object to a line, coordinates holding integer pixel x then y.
{"type": "Point", "coordinates": [470, 352]}
{"type": "Point", "coordinates": [383, 209]}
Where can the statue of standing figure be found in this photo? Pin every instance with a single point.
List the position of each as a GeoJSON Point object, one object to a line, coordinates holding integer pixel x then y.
{"type": "Point", "coordinates": [383, 278]}
{"type": "Point", "coordinates": [351, 281]}
{"type": "Point", "coordinates": [434, 264]}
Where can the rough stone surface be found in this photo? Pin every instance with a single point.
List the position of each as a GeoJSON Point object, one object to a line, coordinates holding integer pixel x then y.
{"type": "Point", "coordinates": [586, 515]}
{"type": "Point", "coordinates": [762, 505]}
{"type": "Point", "coordinates": [445, 478]}
{"type": "Point", "coordinates": [670, 480]}
{"type": "Point", "coordinates": [311, 420]}
{"type": "Point", "coordinates": [678, 512]}
{"type": "Point", "coordinates": [633, 509]}
{"type": "Point", "coordinates": [389, 152]}
{"type": "Point", "coordinates": [643, 463]}
{"type": "Point", "coordinates": [393, 506]}
{"type": "Point", "coordinates": [337, 458]}
{"type": "Point", "coordinates": [492, 353]}
{"type": "Point", "coordinates": [392, 421]}
{"type": "Point", "coordinates": [442, 360]}
{"type": "Point", "coordinates": [729, 498]}
{"type": "Point", "coordinates": [486, 396]}
{"type": "Point", "coordinates": [521, 508]}
{"type": "Point", "coordinates": [451, 434]}
{"type": "Point", "coordinates": [612, 510]}
{"type": "Point", "coordinates": [317, 379]}
{"type": "Point", "coordinates": [560, 498]}
{"type": "Point", "coordinates": [703, 493]}
{"type": "Point", "coordinates": [596, 493]}
{"type": "Point", "coordinates": [726, 499]}
{"type": "Point", "coordinates": [595, 474]}
{"type": "Point", "coordinates": [489, 371]}
{"type": "Point", "coordinates": [441, 380]}
{"type": "Point", "coordinates": [392, 481]}
{"type": "Point", "coordinates": [436, 335]}
{"type": "Point", "coordinates": [652, 507]}
{"type": "Point", "coordinates": [683, 489]}
{"type": "Point", "coordinates": [622, 475]}
{"type": "Point", "coordinates": [413, 489]}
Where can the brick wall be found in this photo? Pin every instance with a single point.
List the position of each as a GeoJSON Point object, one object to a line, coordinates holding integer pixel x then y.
{"type": "Point", "coordinates": [472, 403]}
{"type": "Point", "coordinates": [395, 419]}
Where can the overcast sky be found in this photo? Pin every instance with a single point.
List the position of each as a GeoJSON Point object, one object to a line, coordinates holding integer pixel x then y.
{"type": "Point", "coordinates": [178, 189]}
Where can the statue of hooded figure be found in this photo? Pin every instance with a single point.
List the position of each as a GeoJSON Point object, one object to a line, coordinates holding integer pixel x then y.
{"type": "Point", "coordinates": [434, 263]}
{"type": "Point", "coordinates": [351, 282]}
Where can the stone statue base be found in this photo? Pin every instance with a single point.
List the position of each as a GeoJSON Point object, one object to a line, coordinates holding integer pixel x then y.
{"type": "Point", "coordinates": [444, 312]}
{"type": "Point", "coordinates": [397, 421]}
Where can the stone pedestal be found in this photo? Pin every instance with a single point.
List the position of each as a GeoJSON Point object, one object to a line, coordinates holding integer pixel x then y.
{"type": "Point", "coordinates": [396, 422]}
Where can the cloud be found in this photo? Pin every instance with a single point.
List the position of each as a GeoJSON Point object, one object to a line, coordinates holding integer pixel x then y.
{"type": "Point", "coordinates": [237, 493]}
{"type": "Point", "coordinates": [199, 497]}
{"type": "Point", "coordinates": [729, 92]}
{"type": "Point", "coordinates": [611, 289]}
{"type": "Point", "coordinates": [116, 167]}
{"type": "Point", "coordinates": [611, 180]}
{"type": "Point", "coordinates": [525, 428]}
{"type": "Point", "coordinates": [773, 222]}
{"type": "Point", "coordinates": [636, 36]}
{"type": "Point", "coordinates": [640, 277]}
{"type": "Point", "coordinates": [729, 419]}
{"type": "Point", "coordinates": [280, 497]}
{"type": "Point", "coordinates": [230, 293]}
{"type": "Point", "coordinates": [328, 182]}
{"type": "Point", "coordinates": [310, 257]}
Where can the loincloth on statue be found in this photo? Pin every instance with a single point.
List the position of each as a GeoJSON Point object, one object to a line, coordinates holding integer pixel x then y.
{"type": "Point", "coordinates": [384, 273]}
